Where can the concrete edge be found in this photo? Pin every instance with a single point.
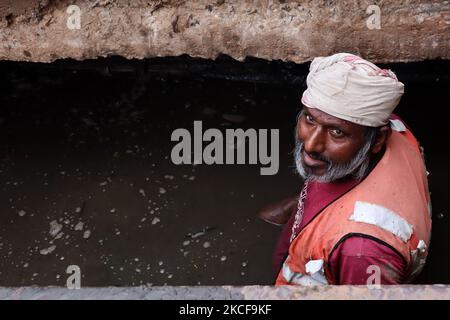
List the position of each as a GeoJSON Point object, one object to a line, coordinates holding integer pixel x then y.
{"type": "Point", "coordinates": [397, 292]}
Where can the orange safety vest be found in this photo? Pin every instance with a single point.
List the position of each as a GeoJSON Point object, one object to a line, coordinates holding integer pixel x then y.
{"type": "Point", "coordinates": [391, 205]}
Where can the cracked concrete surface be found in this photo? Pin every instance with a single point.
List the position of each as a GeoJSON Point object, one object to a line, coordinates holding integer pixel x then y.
{"type": "Point", "coordinates": [288, 30]}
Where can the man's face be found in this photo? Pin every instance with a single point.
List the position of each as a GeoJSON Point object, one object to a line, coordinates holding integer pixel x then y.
{"type": "Point", "coordinates": [329, 148]}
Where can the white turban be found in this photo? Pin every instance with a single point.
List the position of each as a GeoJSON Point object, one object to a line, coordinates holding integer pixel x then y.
{"type": "Point", "coordinates": [351, 88]}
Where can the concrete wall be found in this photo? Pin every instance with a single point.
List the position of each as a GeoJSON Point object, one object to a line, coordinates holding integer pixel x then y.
{"type": "Point", "coordinates": [43, 30]}
{"type": "Point", "coordinates": [405, 292]}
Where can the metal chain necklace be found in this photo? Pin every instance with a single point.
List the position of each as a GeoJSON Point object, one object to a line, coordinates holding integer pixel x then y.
{"type": "Point", "coordinates": [299, 213]}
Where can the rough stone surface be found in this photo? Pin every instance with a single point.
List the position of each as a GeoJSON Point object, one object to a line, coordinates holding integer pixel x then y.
{"type": "Point", "coordinates": [404, 292]}
{"type": "Point", "coordinates": [411, 30]}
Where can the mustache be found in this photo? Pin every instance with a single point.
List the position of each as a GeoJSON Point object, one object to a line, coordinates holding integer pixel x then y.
{"type": "Point", "coordinates": [315, 155]}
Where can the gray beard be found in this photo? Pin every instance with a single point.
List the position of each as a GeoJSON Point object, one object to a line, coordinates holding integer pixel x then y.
{"type": "Point", "coordinates": [356, 168]}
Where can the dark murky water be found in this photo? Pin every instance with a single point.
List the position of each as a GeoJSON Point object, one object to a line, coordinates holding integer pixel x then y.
{"type": "Point", "coordinates": [86, 177]}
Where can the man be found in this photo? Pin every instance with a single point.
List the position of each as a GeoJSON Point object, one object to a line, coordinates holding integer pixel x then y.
{"type": "Point", "coordinates": [364, 213]}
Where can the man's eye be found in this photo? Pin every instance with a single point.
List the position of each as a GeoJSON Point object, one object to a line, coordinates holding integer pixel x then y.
{"type": "Point", "coordinates": [337, 133]}
{"type": "Point", "coordinates": [309, 118]}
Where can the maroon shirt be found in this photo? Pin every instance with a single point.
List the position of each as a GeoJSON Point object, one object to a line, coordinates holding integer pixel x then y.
{"type": "Point", "coordinates": [351, 259]}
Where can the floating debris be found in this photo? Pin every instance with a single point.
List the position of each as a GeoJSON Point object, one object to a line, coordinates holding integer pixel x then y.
{"type": "Point", "coordinates": [198, 234]}
{"type": "Point", "coordinates": [162, 190]}
{"type": "Point", "coordinates": [201, 233]}
{"type": "Point", "coordinates": [22, 213]}
{"type": "Point", "coordinates": [155, 220]}
{"type": "Point", "coordinates": [112, 210]}
{"type": "Point", "coordinates": [59, 235]}
{"type": "Point", "coordinates": [234, 118]}
{"type": "Point", "coordinates": [186, 243]}
{"type": "Point", "coordinates": [48, 250]}
{"type": "Point", "coordinates": [206, 244]}
{"type": "Point", "coordinates": [86, 234]}
{"type": "Point", "coordinates": [55, 228]}
{"type": "Point", "coordinates": [142, 192]}
{"type": "Point", "coordinates": [223, 258]}
{"type": "Point", "coordinates": [79, 226]}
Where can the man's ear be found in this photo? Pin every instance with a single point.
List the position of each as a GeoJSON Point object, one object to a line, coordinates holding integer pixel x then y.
{"type": "Point", "coordinates": [383, 134]}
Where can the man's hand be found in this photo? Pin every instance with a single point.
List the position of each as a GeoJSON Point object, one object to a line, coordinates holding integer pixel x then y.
{"type": "Point", "coordinates": [278, 213]}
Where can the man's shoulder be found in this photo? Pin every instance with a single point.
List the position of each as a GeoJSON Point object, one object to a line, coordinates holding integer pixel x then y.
{"type": "Point", "coordinates": [366, 246]}
{"type": "Point", "coordinates": [357, 256]}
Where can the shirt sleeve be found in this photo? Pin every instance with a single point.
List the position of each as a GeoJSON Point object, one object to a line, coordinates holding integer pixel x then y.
{"type": "Point", "coordinates": [353, 260]}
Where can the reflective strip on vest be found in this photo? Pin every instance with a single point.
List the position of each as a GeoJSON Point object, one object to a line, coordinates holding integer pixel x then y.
{"type": "Point", "coordinates": [315, 279]}
{"type": "Point", "coordinates": [419, 257]}
{"type": "Point", "coordinates": [382, 217]}
{"type": "Point", "coordinates": [397, 125]}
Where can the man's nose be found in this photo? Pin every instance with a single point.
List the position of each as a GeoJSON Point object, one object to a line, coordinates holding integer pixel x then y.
{"type": "Point", "coordinates": [315, 141]}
